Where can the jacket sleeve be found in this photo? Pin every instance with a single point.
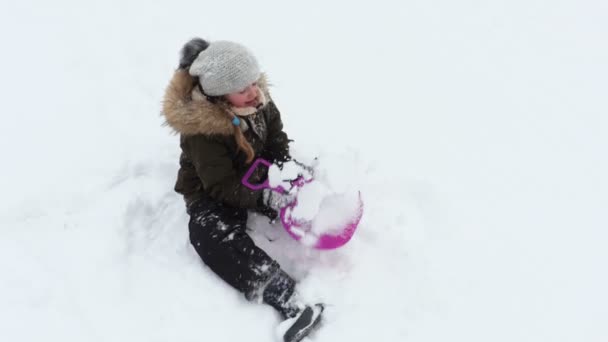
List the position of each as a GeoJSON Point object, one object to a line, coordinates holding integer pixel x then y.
{"type": "Point", "coordinates": [276, 148]}
{"type": "Point", "coordinates": [213, 164]}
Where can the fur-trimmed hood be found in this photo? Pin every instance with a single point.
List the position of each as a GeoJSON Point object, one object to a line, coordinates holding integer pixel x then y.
{"type": "Point", "coordinates": [188, 112]}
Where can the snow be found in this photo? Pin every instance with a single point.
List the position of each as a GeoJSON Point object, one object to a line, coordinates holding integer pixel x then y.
{"type": "Point", "coordinates": [475, 131]}
{"type": "Point", "coordinates": [288, 172]}
{"type": "Point", "coordinates": [310, 198]}
{"type": "Point", "coordinates": [335, 214]}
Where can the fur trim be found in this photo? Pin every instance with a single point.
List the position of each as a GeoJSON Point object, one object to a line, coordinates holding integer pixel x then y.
{"type": "Point", "coordinates": [188, 112]}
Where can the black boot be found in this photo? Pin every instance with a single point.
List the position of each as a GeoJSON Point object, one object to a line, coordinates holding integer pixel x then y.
{"type": "Point", "coordinates": [301, 319]}
{"type": "Point", "coordinates": [303, 323]}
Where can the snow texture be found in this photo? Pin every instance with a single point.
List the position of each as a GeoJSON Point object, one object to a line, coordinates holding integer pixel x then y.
{"type": "Point", "coordinates": [475, 131]}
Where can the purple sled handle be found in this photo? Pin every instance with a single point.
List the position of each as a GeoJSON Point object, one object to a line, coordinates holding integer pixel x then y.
{"type": "Point", "coordinates": [254, 166]}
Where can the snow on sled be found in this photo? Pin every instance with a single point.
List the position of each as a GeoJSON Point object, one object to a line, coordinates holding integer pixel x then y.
{"type": "Point", "coordinates": [317, 217]}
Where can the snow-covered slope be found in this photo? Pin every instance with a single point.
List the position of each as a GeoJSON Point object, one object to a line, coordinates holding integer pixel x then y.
{"type": "Point", "coordinates": [476, 131]}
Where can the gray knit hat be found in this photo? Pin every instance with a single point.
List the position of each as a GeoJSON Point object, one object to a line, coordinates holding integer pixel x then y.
{"type": "Point", "coordinates": [225, 67]}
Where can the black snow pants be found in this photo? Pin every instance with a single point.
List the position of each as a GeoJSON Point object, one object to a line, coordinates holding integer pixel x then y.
{"type": "Point", "coordinates": [218, 234]}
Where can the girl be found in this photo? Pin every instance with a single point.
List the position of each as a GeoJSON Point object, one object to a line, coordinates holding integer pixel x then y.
{"type": "Point", "coordinates": [218, 101]}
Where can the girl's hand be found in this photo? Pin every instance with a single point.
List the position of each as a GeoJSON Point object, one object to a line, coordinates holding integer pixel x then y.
{"type": "Point", "coordinates": [276, 200]}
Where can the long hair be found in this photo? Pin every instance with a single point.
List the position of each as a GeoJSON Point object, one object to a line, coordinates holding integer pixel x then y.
{"type": "Point", "coordinates": [243, 144]}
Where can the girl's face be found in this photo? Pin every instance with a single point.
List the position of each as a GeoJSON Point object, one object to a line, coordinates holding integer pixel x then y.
{"type": "Point", "coordinates": [247, 97]}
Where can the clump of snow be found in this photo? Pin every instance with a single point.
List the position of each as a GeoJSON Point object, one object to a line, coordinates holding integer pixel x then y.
{"type": "Point", "coordinates": [336, 212]}
{"type": "Point", "coordinates": [310, 199]}
{"type": "Point", "coordinates": [283, 176]}
{"type": "Point", "coordinates": [282, 328]}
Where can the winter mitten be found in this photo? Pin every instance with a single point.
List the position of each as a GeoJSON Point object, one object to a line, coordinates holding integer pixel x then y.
{"type": "Point", "coordinates": [268, 212]}
{"type": "Point", "coordinates": [276, 200]}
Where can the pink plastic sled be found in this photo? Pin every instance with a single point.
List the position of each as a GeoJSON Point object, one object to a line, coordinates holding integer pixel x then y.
{"type": "Point", "coordinates": [297, 228]}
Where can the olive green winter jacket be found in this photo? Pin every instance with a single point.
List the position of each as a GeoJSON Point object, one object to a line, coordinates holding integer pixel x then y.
{"type": "Point", "coordinates": [211, 163]}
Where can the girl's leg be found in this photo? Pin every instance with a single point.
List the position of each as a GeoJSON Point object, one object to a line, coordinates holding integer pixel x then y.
{"type": "Point", "coordinates": [218, 234]}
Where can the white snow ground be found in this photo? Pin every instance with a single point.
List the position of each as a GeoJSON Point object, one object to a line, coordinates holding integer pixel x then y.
{"type": "Point", "coordinates": [477, 132]}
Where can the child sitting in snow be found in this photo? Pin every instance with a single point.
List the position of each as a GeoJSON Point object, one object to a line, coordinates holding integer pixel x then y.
{"type": "Point", "coordinates": [218, 101]}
